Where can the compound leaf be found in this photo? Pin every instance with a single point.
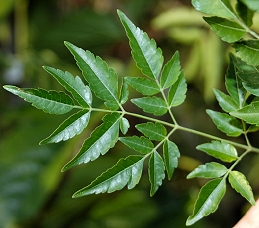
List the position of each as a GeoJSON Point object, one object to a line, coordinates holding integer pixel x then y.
{"type": "Point", "coordinates": [52, 102]}
{"type": "Point", "coordinates": [127, 171]}
{"type": "Point", "coordinates": [101, 140]}
{"type": "Point", "coordinates": [252, 4]}
{"type": "Point", "coordinates": [153, 131]}
{"type": "Point", "coordinates": [124, 125]}
{"type": "Point", "coordinates": [147, 56]}
{"type": "Point", "coordinates": [208, 200]}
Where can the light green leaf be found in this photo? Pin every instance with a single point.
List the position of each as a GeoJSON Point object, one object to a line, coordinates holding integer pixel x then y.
{"type": "Point", "coordinates": [142, 144]}
{"type": "Point", "coordinates": [252, 4]}
{"type": "Point", "coordinates": [226, 123]}
{"type": "Point", "coordinates": [52, 102]}
{"type": "Point", "coordinates": [171, 71]}
{"type": "Point", "coordinates": [124, 125]}
{"type": "Point", "coordinates": [248, 51]}
{"type": "Point", "coordinates": [176, 94]}
{"type": "Point", "coordinates": [74, 85]}
{"type": "Point", "coordinates": [209, 170]}
{"type": "Point", "coordinates": [208, 200]}
{"type": "Point", "coordinates": [153, 131]}
{"type": "Point", "coordinates": [127, 171]}
{"type": "Point", "coordinates": [156, 171]}
{"type": "Point", "coordinates": [244, 13]}
{"type": "Point", "coordinates": [171, 154]}
{"type": "Point", "coordinates": [147, 56]}
{"type": "Point", "coordinates": [240, 184]}
{"type": "Point", "coordinates": [101, 140]}
{"type": "Point", "coordinates": [227, 30]}
{"type": "Point", "coordinates": [154, 105]}
{"type": "Point", "coordinates": [124, 95]}
{"type": "Point", "coordinates": [143, 85]}
{"type": "Point", "coordinates": [72, 126]}
{"type": "Point", "coordinates": [221, 150]}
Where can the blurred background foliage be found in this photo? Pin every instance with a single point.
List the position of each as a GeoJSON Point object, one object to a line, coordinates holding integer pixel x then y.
{"type": "Point", "coordinates": [33, 191]}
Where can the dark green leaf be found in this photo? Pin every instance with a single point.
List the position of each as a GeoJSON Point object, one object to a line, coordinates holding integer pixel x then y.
{"type": "Point", "coordinates": [127, 171]}
{"type": "Point", "coordinates": [124, 125]}
{"type": "Point", "coordinates": [245, 13]}
{"type": "Point", "coordinates": [101, 140]}
{"type": "Point", "coordinates": [153, 131]}
{"type": "Point", "coordinates": [124, 92]}
{"type": "Point", "coordinates": [252, 4]}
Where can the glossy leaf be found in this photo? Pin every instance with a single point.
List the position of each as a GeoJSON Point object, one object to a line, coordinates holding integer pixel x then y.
{"type": "Point", "coordinates": [209, 170]}
{"type": "Point", "coordinates": [52, 102]}
{"type": "Point", "coordinates": [74, 85]}
{"type": "Point", "coordinates": [176, 94]}
{"type": "Point", "coordinates": [171, 154]}
{"type": "Point", "coordinates": [171, 71]}
{"type": "Point", "coordinates": [124, 125]}
{"type": "Point", "coordinates": [221, 150]}
{"type": "Point", "coordinates": [143, 85]}
{"type": "Point", "coordinates": [127, 171]}
{"type": "Point", "coordinates": [227, 30]}
{"type": "Point", "coordinates": [252, 4]}
{"type": "Point", "coordinates": [208, 200]}
{"type": "Point", "coordinates": [147, 56]}
{"type": "Point", "coordinates": [101, 140]}
{"type": "Point", "coordinates": [139, 144]}
{"type": "Point", "coordinates": [245, 13]}
{"type": "Point", "coordinates": [156, 171]}
{"type": "Point", "coordinates": [226, 123]}
{"type": "Point", "coordinates": [72, 126]}
{"type": "Point", "coordinates": [154, 105]}
{"type": "Point", "coordinates": [240, 184]}
{"type": "Point", "coordinates": [153, 131]}
{"type": "Point", "coordinates": [124, 95]}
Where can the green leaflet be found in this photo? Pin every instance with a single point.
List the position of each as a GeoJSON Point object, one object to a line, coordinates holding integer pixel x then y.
{"type": "Point", "coordinates": [143, 85]}
{"type": "Point", "coordinates": [126, 171]}
{"type": "Point", "coordinates": [147, 56]}
{"type": "Point", "coordinates": [171, 154]}
{"type": "Point", "coordinates": [240, 184]}
{"type": "Point", "coordinates": [153, 131]}
{"type": "Point", "coordinates": [227, 30]}
{"type": "Point", "coordinates": [252, 4]}
{"type": "Point", "coordinates": [124, 94]}
{"type": "Point", "coordinates": [124, 125]}
{"type": "Point", "coordinates": [209, 170]}
{"type": "Point", "coordinates": [221, 150]}
{"type": "Point", "coordinates": [208, 200]}
{"type": "Point", "coordinates": [101, 140]}
{"type": "Point", "coordinates": [154, 105]}
{"type": "Point", "coordinates": [156, 171]}
{"type": "Point", "coordinates": [75, 86]}
{"type": "Point", "coordinates": [142, 144]}
{"type": "Point", "coordinates": [227, 124]}
{"type": "Point", "coordinates": [72, 126]}
{"type": "Point", "coordinates": [102, 80]}
{"type": "Point", "coordinates": [244, 13]}
{"type": "Point", "coordinates": [52, 102]}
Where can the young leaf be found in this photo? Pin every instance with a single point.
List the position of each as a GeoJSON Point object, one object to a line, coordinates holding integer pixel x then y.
{"type": "Point", "coordinates": [221, 150]}
{"type": "Point", "coordinates": [147, 56]}
{"type": "Point", "coordinates": [142, 144]}
{"type": "Point", "coordinates": [143, 85]}
{"type": "Point", "coordinates": [127, 171]}
{"type": "Point", "coordinates": [227, 30]}
{"type": "Point", "coordinates": [154, 105]}
{"type": "Point", "coordinates": [75, 86]}
{"type": "Point", "coordinates": [176, 94]}
{"type": "Point", "coordinates": [171, 71]}
{"type": "Point", "coordinates": [227, 124]}
{"type": "Point", "coordinates": [101, 140]}
{"type": "Point", "coordinates": [240, 184]}
{"type": "Point", "coordinates": [52, 102]}
{"type": "Point", "coordinates": [208, 200]}
{"type": "Point", "coordinates": [102, 80]}
{"type": "Point", "coordinates": [124, 125]}
{"type": "Point", "coordinates": [156, 171]}
{"type": "Point", "coordinates": [209, 170]}
{"type": "Point", "coordinates": [171, 154]}
{"type": "Point", "coordinates": [245, 13]}
{"type": "Point", "coordinates": [72, 126]}
{"type": "Point", "coordinates": [124, 95]}
{"type": "Point", "coordinates": [153, 131]}
{"type": "Point", "coordinates": [252, 4]}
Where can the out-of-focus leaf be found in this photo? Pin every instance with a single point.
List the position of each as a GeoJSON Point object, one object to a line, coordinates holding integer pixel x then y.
{"type": "Point", "coordinates": [153, 131]}
{"type": "Point", "coordinates": [124, 95]}
{"type": "Point", "coordinates": [208, 200]}
{"type": "Point", "coordinates": [124, 125]}
{"type": "Point", "coordinates": [156, 171]}
{"type": "Point", "coordinates": [221, 150]}
{"type": "Point", "coordinates": [52, 102]}
{"type": "Point", "coordinates": [209, 170]}
{"type": "Point", "coordinates": [252, 4]}
{"type": "Point", "coordinates": [226, 123]}
{"type": "Point", "coordinates": [239, 182]}
{"type": "Point", "coordinates": [154, 105]}
{"type": "Point", "coordinates": [127, 171]}
{"type": "Point", "coordinates": [245, 13]}
{"type": "Point", "coordinates": [147, 56]}
{"type": "Point", "coordinates": [227, 30]}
